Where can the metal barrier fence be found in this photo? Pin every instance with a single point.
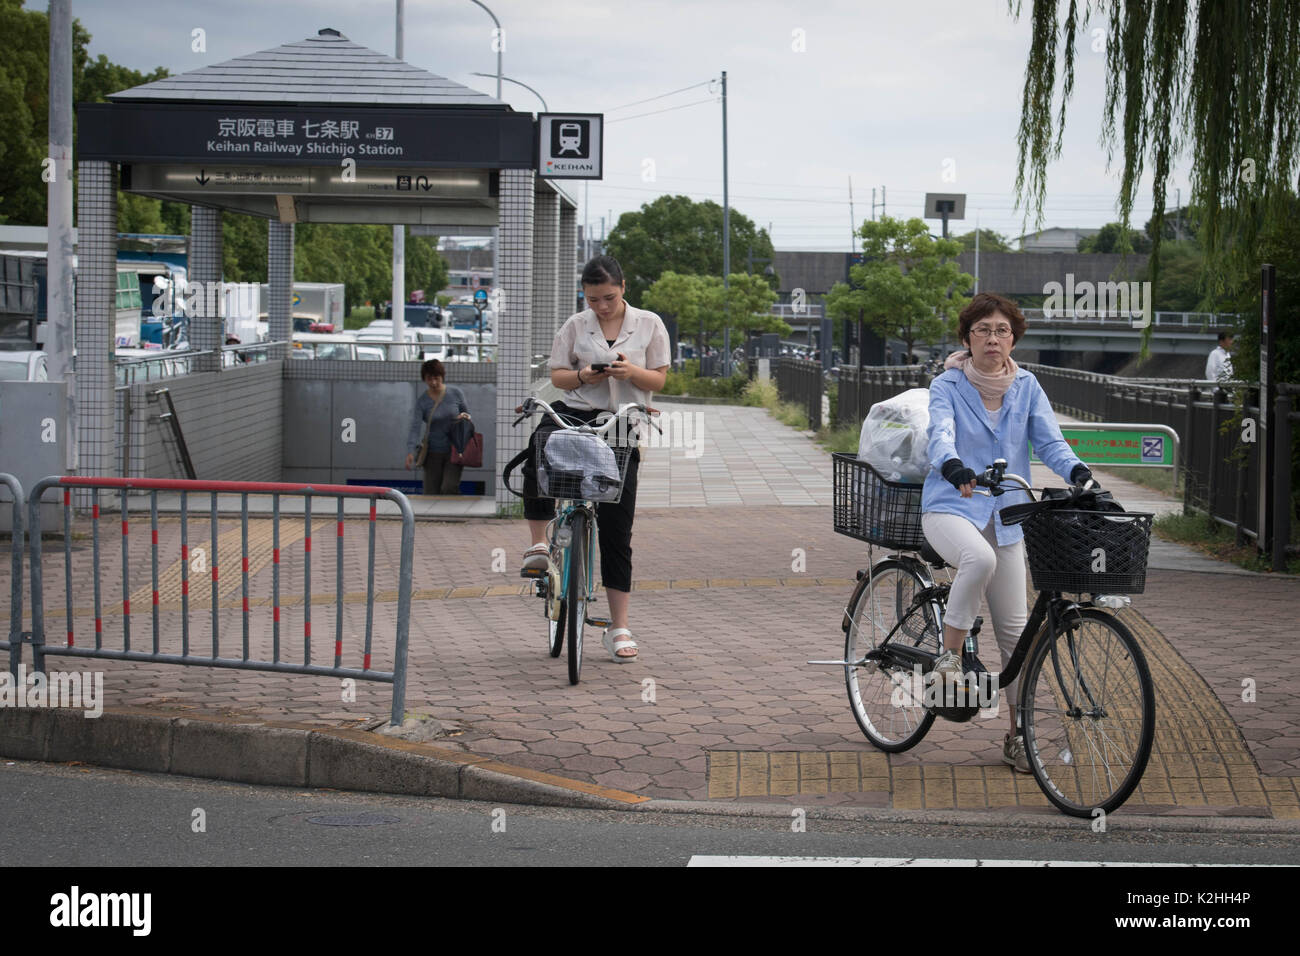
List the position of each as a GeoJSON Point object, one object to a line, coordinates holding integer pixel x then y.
{"type": "Point", "coordinates": [42, 648]}
{"type": "Point", "coordinates": [860, 388]}
{"type": "Point", "coordinates": [800, 381]}
{"type": "Point", "coordinates": [14, 642]}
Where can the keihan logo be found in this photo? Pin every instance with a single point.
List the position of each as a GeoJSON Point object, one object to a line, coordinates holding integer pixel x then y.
{"type": "Point", "coordinates": [103, 909]}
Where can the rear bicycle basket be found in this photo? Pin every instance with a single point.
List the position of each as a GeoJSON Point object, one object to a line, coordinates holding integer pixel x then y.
{"type": "Point", "coordinates": [1097, 552]}
{"type": "Point", "coordinates": [572, 464]}
{"type": "Point", "coordinates": [870, 508]}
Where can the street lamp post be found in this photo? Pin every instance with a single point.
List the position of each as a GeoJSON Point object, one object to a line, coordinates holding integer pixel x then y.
{"type": "Point", "coordinates": [500, 42]}
{"type": "Point", "coordinates": [750, 259]}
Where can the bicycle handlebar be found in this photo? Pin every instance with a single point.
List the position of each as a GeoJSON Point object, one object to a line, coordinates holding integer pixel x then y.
{"type": "Point", "coordinates": [996, 473]}
{"type": "Point", "coordinates": [532, 405]}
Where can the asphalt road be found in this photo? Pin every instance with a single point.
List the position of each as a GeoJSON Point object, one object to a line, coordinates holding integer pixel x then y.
{"type": "Point", "coordinates": [90, 817]}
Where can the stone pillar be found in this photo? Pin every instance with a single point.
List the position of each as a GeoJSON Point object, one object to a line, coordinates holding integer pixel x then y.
{"type": "Point", "coordinates": [279, 274]}
{"type": "Point", "coordinates": [94, 425]}
{"type": "Point", "coordinates": [207, 325]}
{"type": "Point", "coordinates": [566, 270]}
{"type": "Point", "coordinates": [546, 228]}
{"type": "Point", "coordinates": [514, 323]}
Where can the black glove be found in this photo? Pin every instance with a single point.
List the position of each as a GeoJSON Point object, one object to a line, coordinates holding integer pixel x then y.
{"type": "Point", "coordinates": [1082, 474]}
{"type": "Point", "coordinates": [956, 473]}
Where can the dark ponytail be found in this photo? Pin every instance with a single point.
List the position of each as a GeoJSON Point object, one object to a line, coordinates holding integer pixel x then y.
{"type": "Point", "coordinates": [602, 270]}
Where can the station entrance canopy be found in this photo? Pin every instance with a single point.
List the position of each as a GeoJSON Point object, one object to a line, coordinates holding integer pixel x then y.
{"type": "Point", "coordinates": [330, 164]}
{"type": "Point", "coordinates": [325, 130]}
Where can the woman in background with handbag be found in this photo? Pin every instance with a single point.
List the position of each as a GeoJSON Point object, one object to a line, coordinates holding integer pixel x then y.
{"type": "Point", "coordinates": [428, 441]}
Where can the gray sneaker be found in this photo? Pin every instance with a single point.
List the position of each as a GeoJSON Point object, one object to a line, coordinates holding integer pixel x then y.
{"type": "Point", "coordinates": [1013, 752]}
{"type": "Point", "coordinates": [948, 666]}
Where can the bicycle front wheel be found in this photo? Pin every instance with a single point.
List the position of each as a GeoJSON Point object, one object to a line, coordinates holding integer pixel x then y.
{"type": "Point", "coordinates": [555, 638]}
{"type": "Point", "coordinates": [576, 594]}
{"type": "Point", "coordinates": [1088, 713]}
{"type": "Point", "coordinates": [887, 697]}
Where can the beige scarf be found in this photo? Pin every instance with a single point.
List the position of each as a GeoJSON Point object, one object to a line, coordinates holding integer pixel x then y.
{"type": "Point", "coordinates": [990, 387]}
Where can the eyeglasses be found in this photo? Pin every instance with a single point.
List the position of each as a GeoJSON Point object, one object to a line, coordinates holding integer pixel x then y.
{"type": "Point", "coordinates": [983, 332]}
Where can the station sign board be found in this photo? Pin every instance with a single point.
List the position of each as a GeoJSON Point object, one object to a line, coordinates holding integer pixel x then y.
{"type": "Point", "coordinates": [570, 145]}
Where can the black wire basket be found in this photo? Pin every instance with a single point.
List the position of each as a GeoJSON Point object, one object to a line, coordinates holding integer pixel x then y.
{"type": "Point", "coordinates": [873, 509]}
{"type": "Point", "coordinates": [582, 484]}
{"type": "Point", "coordinates": [1093, 552]}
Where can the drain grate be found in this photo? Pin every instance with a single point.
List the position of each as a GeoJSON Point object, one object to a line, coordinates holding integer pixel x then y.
{"type": "Point", "coordinates": [354, 820]}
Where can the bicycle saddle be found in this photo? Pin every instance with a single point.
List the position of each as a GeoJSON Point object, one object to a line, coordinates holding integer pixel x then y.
{"type": "Point", "coordinates": [932, 557]}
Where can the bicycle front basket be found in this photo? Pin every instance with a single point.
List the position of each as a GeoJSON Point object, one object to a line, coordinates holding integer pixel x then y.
{"type": "Point", "coordinates": [872, 509]}
{"type": "Point", "coordinates": [1094, 552]}
{"type": "Point", "coordinates": [571, 464]}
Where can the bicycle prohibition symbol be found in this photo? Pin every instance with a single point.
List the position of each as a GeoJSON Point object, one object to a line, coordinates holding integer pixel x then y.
{"type": "Point", "coordinates": [1086, 703]}
{"type": "Point", "coordinates": [578, 466]}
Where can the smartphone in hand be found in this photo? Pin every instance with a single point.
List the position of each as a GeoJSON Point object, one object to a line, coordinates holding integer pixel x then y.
{"type": "Point", "coordinates": [599, 366]}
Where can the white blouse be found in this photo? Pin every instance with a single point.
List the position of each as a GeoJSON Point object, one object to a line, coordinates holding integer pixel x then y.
{"type": "Point", "coordinates": [643, 340]}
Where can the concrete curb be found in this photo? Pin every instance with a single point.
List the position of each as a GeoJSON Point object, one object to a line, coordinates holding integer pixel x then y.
{"type": "Point", "coordinates": [286, 755]}
{"type": "Point", "coordinates": [272, 753]}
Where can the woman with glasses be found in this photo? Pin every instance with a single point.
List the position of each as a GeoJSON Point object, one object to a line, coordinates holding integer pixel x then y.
{"type": "Point", "coordinates": [984, 407]}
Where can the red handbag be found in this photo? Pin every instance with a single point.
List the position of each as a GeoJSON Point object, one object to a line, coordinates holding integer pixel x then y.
{"type": "Point", "coordinates": [472, 456]}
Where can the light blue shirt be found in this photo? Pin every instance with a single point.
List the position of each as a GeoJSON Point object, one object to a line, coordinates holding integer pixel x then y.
{"type": "Point", "coordinates": [960, 428]}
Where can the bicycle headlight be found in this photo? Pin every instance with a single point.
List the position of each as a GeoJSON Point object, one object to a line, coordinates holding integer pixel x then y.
{"type": "Point", "coordinates": [564, 537]}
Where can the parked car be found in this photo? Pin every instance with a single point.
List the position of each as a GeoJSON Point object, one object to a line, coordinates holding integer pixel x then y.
{"type": "Point", "coordinates": [333, 347]}
{"type": "Point", "coordinates": [395, 351]}
{"type": "Point", "coordinates": [24, 366]}
{"type": "Point", "coordinates": [433, 343]}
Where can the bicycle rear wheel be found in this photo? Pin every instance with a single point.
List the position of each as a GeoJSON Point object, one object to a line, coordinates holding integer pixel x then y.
{"type": "Point", "coordinates": [887, 697]}
{"type": "Point", "coordinates": [1088, 713]}
{"type": "Point", "coordinates": [576, 593]}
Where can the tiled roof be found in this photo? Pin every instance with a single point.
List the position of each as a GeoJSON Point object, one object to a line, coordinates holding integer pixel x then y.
{"type": "Point", "coordinates": [325, 68]}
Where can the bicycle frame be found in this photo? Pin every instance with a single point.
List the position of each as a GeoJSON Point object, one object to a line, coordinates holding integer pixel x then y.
{"type": "Point", "coordinates": [564, 519]}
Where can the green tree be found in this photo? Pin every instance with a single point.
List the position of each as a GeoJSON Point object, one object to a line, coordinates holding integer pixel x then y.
{"type": "Point", "coordinates": [1220, 79]}
{"type": "Point", "coordinates": [1114, 237]}
{"type": "Point", "coordinates": [673, 233]}
{"type": "Point", "coordinates": [682, 296]}
{"type": "Point", "coordinates": [24, 105]}
{"type": "Point", "coordinates": [910, 285]}
{"type": "Point", "coordinates": [990, 241]}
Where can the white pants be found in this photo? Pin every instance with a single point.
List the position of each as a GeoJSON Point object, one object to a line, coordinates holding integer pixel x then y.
{"type": "Point", "coordinates": [984, 569]}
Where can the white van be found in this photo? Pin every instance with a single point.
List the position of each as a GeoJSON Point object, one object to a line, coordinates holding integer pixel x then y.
{"type": "Point", "coordinates": [395, 351]}
{"type": "Point", "coordinates": [311, 345]}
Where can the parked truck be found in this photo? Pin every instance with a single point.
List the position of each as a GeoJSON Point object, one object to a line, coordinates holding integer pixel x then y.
{"type": "Point", "coordinates": [321, 300]}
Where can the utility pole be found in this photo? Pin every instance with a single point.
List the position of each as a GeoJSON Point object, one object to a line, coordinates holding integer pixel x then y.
{"type": "Point", "coordinates": [977, 253]}
{"type": "Point", "coordinates": [853, 220]}
{"type": "Point", "coordinates": [59, 341]}
{"type": "Point", "coordinates": [399, 242]}
{"type": "Point", "coordinates": [726, 241]}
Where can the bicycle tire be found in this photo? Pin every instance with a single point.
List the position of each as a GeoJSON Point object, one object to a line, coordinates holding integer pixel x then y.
{"type": "Point", "coordinates": [885, 700]}
{"type": "Point", "coordinates": [555, 640]}
{"type": "Point", "coordinates": [1088, 713]}
{"type": "Point", "coordinates": [576, 594]}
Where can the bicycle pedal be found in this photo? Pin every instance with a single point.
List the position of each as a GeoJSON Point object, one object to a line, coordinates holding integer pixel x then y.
{"type": "Point", "coordinates": [598, 622]}
{"type": "Point", "coordinates": [536, 573]}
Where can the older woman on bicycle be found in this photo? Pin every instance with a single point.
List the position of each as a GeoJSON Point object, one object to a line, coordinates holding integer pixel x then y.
{"type": "Point", "coordinates": [984, 407]}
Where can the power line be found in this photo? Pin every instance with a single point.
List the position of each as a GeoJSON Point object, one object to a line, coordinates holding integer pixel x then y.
{"type": "Point", "coordinates": [669, 109]}
{"type": "Point", "coordinates": [659, 97]}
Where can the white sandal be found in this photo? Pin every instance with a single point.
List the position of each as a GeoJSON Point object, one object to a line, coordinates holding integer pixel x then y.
{"type": "Point", "coordinates": [613, 646]}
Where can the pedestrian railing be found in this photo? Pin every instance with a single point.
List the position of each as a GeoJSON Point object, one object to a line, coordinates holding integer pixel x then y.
{"type": "Point", "coordinates": [166, 618]}
{"type": "Point", "coordinates": [14, 642]}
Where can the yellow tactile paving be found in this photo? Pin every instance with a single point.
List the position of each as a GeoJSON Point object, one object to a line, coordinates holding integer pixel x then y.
{"type": "Point", "coordinates": [1198, 759]}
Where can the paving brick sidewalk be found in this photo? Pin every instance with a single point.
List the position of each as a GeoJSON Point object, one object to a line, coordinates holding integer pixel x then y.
{"type": "Point", "coordinates": [730, 601]}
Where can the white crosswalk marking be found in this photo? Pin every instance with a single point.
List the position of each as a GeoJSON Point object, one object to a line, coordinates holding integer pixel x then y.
{"type": "Point", "coordinates": [903, 861]}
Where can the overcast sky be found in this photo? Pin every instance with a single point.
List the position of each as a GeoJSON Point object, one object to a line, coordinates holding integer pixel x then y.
{"type": "Point", "coordinates": [889, 94]}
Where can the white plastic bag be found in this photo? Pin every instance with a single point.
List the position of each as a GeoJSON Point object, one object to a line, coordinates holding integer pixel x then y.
{"type": "Point", "coordinates": [894, 438]}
